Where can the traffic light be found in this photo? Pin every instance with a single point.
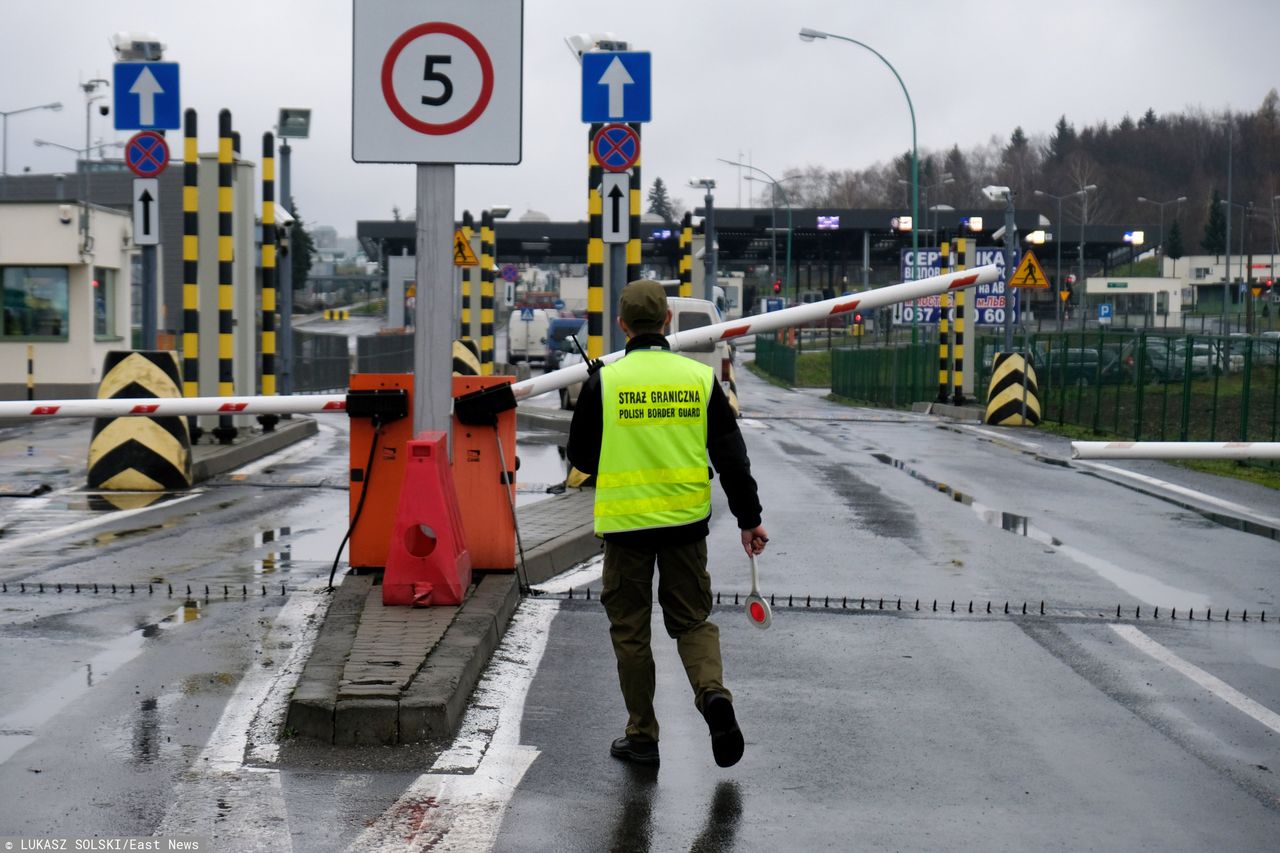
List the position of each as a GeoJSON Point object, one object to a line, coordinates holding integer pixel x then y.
{"type": "Point", "coordinates": [857, 317]}
{"type": "Point", "coordinates": [777, 285]}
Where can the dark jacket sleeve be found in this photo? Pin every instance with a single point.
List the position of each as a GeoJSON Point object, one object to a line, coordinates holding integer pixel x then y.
{"type": "Point", "coordinates": [587, 427]}
{"type": "Point", "coordinates": [728, 454]}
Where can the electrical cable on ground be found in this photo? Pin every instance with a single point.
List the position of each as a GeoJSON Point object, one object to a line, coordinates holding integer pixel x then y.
{"type": "Point", "coordinates": [364, 492]}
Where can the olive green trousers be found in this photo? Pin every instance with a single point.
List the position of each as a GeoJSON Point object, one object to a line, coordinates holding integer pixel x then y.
{"type": "Point", "coordinates": [684, 592]}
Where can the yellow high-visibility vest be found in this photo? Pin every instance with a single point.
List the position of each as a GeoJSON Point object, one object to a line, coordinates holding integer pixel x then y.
{"type": "Point", "coordinates": [653, 450]}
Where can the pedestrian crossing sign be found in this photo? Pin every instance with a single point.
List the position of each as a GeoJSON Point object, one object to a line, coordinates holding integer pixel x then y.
{"type": "Point", "coordinates": [462, 254]}
{"type": "Point", "coordinates": [1029, 273]}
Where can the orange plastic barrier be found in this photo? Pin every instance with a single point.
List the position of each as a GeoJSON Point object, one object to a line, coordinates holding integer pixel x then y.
{"type": "Point", "coordinates": [368, 549]}
{"type": "Point", "coordinates": [482, 484]}
{"type": "Point", "coordinates": [427, 562]}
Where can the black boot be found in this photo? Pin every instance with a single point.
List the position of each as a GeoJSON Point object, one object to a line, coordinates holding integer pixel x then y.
{"type": "Point", "coordinates": [636, 751]}
{"type": "Point", "coordinates": [726, 737]}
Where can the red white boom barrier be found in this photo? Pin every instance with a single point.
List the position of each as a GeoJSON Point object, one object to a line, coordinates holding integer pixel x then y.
{"type": "Point", "coordinates": [320, 403]}
{"type": "Point", "coordinates": [774, 320]}
{"type": "Point", "coordinates": [1175, 450]}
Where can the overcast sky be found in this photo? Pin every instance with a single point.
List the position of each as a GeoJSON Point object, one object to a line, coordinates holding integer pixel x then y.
{"type": "Point", "coordinates": [730, 77]}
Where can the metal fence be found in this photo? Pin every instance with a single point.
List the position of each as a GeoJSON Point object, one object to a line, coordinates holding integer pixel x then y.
{"type": "Point", "coordinates": [885, 376]}
{"type": "Point", "coordinates": [1150, 386]}
{"type": "Point", "coordinates": [776, 358]}
{"type": "Point", "coordinates": [385, 353]}
{"type": "Point", "coordinates": [320, 362]}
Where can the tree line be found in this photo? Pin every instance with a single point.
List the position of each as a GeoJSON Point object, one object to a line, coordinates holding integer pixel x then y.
{"type": "Point", "coordinates": [1157, 157]}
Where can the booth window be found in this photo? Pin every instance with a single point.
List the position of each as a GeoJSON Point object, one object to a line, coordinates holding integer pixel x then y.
{"type": "Point", "coordinates": [104, 303]}
{"type": "Point", "coordinates": [35, 303]}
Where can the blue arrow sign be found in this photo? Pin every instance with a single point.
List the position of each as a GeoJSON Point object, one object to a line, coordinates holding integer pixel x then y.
{"type": "Point", "coordinates": [616, 87]}
{"type": "Point", "coordinates": [147, 96]}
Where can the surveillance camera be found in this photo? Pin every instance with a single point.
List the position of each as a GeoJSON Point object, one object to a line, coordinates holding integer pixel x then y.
{"type": "Point", "coordinates": [104, 110]}
{"type": "Point", "coordinates": [64, 214]}
{"type": "Point", "coordinates": [137, 47]}
{"type": "Point", "coordinates": [995, 193]}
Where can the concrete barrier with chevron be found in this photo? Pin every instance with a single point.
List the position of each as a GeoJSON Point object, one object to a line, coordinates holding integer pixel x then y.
{"type": "Point", "coordinates": [145, 454]}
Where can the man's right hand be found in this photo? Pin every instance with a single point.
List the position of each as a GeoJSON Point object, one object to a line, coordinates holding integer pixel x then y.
{"type": "Point", "coordinates": [753, 541]}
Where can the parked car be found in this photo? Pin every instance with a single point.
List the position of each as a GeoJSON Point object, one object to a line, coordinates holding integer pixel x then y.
{"type": "Point", "coordinates": [1210, 358]}
{"type": "Point", "coordinates": [1078, 366]}
{"type": "Point", "coordinates": [560, 329]}
{"type": "Point", "coordinates": [1160, 359]}
{"type": "Point", "coordinates": [1264, 348]}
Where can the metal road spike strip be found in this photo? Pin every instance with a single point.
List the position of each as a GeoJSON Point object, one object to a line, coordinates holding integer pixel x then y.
{"type": "Point", "coordinates": [547, 382]}
{"type": "Point", "coordinates": [1072, 612]}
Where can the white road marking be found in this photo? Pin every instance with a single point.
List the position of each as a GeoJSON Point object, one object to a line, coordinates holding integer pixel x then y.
{"type": "Point", "coordinates": [752, 423]}
{"type": "Point", "coordinates": [1229, 506]}
{"type": "Point", "coordinates": [221, 797]}
{"type": "Point", "coordinates": [1214, 685]}
{"type": "Point", "coordinates": [1030, 445]}
{"type": "Point", "coordinates": [458, 805]}
{"type": "Point", "coordinates": [81, 526]}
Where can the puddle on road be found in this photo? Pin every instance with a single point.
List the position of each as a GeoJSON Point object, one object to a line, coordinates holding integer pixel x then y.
{"type": "Point", "coordinates": [21, 727]}
{"type": "Point", "coordinates": [1140, 586]}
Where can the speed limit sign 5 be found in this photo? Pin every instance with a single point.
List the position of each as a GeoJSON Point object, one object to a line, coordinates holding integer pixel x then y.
{"type": "Point", "coordinates": [436, 81]}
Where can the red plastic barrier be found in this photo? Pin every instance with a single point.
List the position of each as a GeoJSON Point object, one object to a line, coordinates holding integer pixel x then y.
{"type": "Point", "coordinates": [427, 562]}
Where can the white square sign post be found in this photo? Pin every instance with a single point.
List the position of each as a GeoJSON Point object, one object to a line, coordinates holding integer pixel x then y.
{"type": "Point", "coordinates": [436, 81]}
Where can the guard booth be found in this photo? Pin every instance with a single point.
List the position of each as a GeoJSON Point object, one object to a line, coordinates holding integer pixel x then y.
{"type": "Point", "coordinates": [70, 306]}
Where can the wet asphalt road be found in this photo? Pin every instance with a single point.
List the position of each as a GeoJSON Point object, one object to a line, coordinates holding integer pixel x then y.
{"type": "Point", "coordinates": [866, 729]}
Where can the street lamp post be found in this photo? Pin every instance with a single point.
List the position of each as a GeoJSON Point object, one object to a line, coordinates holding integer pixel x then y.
{"type": "Point", "coordinates": [4, 122]}
{"type": "Point", "coordinates": [1057, 226]}
{"type": "Point", "coordinates": [291, 123]}
{"type": "Point", "coordinates": [775, 187]}
{"type": "Point", "coordinates": [1161, 204]}
{"type": "Point", "coordinates": [807, 34]}
{"type": "Point", "coordinates": [1083, 192]}
{"type": "Point", "coordinates": [709, 250]}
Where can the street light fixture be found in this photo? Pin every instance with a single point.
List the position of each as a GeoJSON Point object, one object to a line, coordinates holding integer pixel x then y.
{"type": "Point", "coordinates": [808, 34]}
{"type": "Point", "coordinates": [4, 121]}
{"type": "Point", "coordinates": [1161, 204]}
{"type": "Point", "coordinates": [775, 187]}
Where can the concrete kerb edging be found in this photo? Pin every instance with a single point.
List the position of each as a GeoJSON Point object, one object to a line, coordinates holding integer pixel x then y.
{"type": "Point", "coordinates": [311, 708]}
{"type": "Point", "coordinates": [210, 461]}
{"type": "Point", "coordinates": [433, 703]}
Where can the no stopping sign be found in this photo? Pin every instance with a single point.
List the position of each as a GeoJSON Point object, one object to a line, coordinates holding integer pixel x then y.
{"type": "Point", "coordinates": [437, 81]}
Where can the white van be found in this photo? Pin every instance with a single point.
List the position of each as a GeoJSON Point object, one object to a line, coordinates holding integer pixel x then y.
{"type": "Point", "coordinates": [527, 334]}
{"type": "Point", "coordinates": [686, 313]}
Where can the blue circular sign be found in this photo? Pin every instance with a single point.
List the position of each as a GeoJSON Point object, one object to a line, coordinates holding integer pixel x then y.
{"type": "Point", "coordinates": [509, 272]}
{"type": "Point", "coordinates": [146, 154]}
{"type": "Point", "coordinates": [616, 147]}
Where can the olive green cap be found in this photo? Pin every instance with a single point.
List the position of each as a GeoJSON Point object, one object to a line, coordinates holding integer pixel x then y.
{"type": "Point", "coordinates": [643, 305]}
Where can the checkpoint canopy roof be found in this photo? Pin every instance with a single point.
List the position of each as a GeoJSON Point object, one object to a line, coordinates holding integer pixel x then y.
{"type": "Point", "coordinates": [743, 235]}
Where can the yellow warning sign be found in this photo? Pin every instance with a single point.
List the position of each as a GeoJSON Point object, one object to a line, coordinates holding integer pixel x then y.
{"type": "Point", "coordinates": [1257, 290]}
{"type": "Point", "coordinates": [1029, 273]}
{"type": "Point", "coordinates": [462, 254]}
